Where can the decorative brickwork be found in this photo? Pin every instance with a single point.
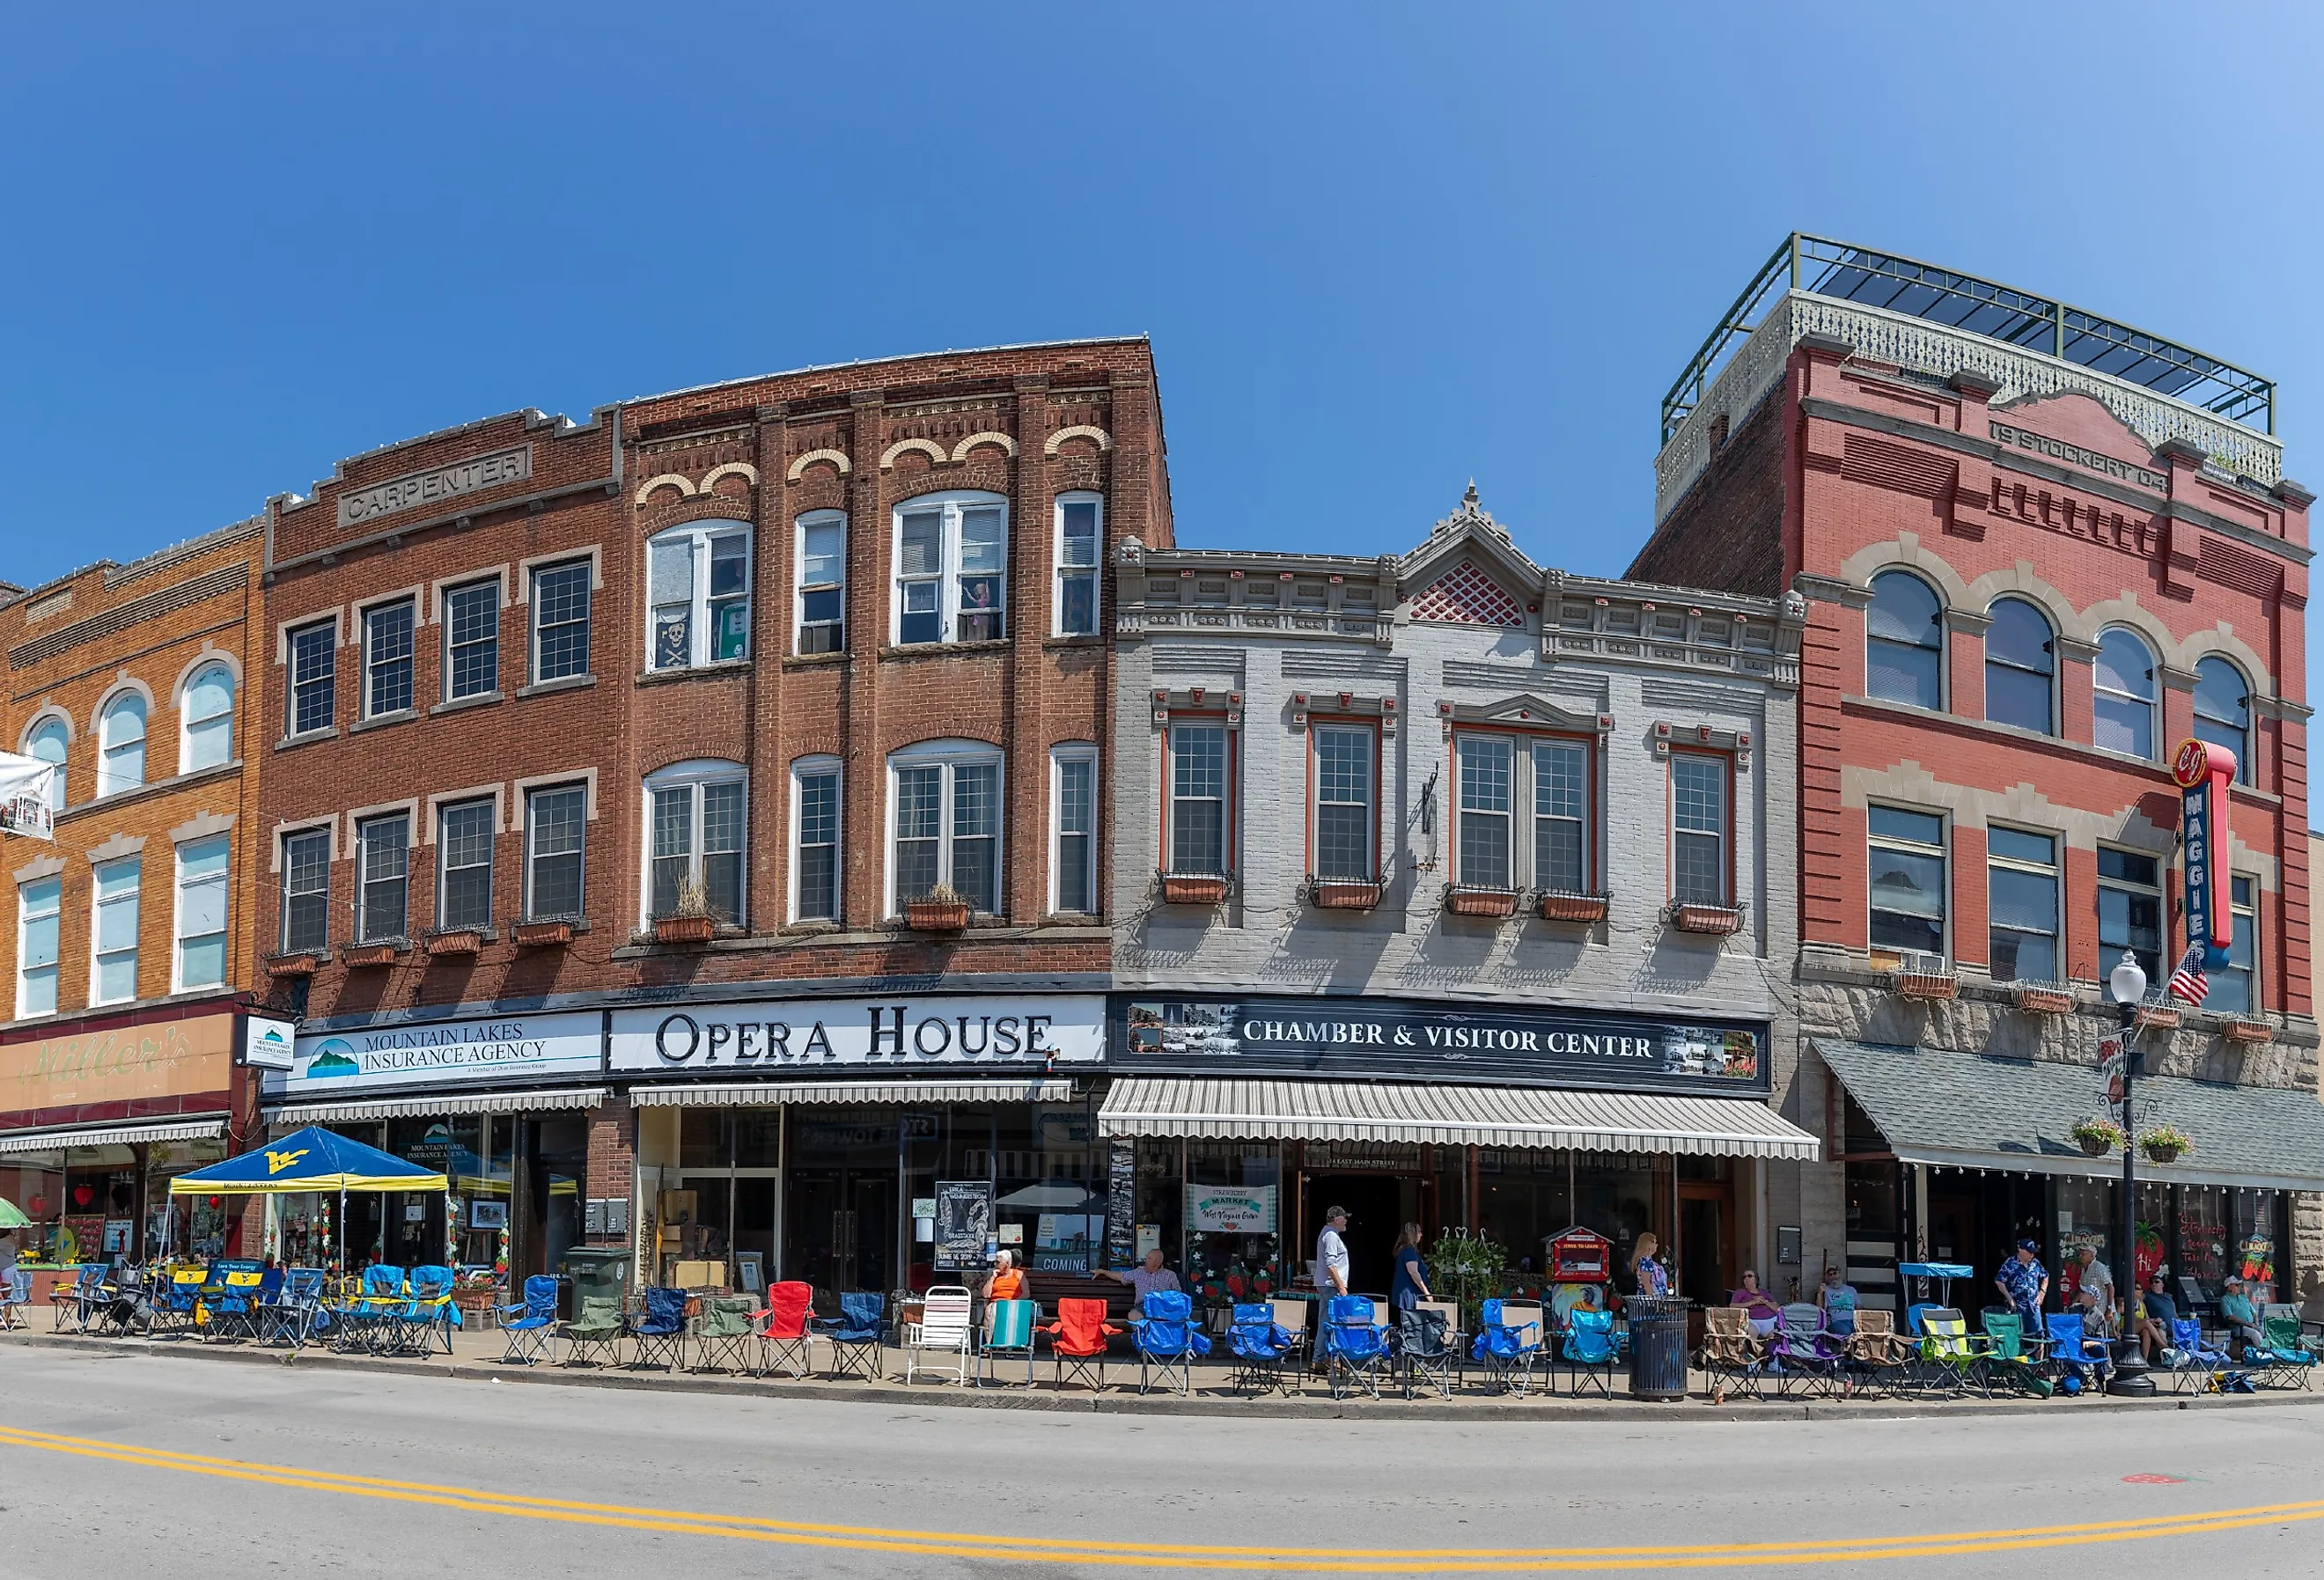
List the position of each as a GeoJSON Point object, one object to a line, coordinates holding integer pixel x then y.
{"type": "Point", "coordinates": [1466, 595]}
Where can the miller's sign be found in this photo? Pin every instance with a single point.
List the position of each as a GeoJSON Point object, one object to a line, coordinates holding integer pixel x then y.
{"type": "Point", "coordinates": [2204, 772]}
{"type": "Point", "coordinates": [435, 485]}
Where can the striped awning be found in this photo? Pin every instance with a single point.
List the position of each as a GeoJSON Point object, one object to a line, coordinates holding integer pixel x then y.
{"type": "Point", "coordinates": [429, 1108]}
{"type": "Point", "coordinates": [761, 1094]}
{"type": "Point", "coordinates": [113, 1135]}
{"type": "Point", "coordinates": [1480, 1116]}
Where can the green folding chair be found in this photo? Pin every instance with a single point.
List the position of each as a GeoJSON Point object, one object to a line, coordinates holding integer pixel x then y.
{"type": "Point", "coordinates": [1949, 1356]}
{"type": "Point", "coordinates": [727, 1327]}
{"type": "Point", "coordinates": [2010, 1360]}
{"type": "Point", "coordinates": [595, 1329]}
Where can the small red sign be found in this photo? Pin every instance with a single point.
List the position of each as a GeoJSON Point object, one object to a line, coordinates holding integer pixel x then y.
{"type": "Point", "coordinates": [2151, 1479]}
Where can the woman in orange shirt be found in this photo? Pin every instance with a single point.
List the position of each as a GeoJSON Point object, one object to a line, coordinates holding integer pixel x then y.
{"type": "Point", "coordinates": [1004, 1282]}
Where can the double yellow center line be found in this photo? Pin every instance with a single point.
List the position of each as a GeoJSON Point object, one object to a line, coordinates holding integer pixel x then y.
{"type": "Point", "coordinates": [1022, 1548]}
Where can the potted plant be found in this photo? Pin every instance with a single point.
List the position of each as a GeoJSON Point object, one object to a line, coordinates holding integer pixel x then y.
{"type": "Point", "coordinates": [942, 910]}
{"type": "Point", "coordinates": [689, 919]}
{"type": "Point", "coordinates": [2164, 1143]}
{"type": "Point", "coordinates": [2097, 1137]}
{"type": "Point", "coordinates": [1558, 905]}
{"type": "Point", "coordinates": [1468, 1268]}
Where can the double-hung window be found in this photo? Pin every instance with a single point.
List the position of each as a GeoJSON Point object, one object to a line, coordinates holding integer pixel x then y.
{"type": "Point", "coordinates": [205, 712]}
{"type": "Point", "coordinates": [693, 829]}
{"type": "Point", "coordinates": [1906, 880]}
{"type": "Point", "coordinates": [560, 621]}
{"type": "Point", "coordinates": [946, 801]}
{"type": "Point", "coordinates": [1073, 857]}
{"type": "Point", "coordinates": [2223, 711]}
{"type": "Point", "coordinates": [387, 658]}
{"type": "Point", "coordinates": [2130, 910]}
{"type": "Point", "coordinates": [314, 676]}
{"type": "Point", "coordinates": [951, 582]}
{"type": "Point", "coordinates": [40, 909]}
{"type": "Point", "coordinates": [554, 816]}
{"type": "Point", "coordinates": [202, 913]}
{"type": "Point", "coordinates": [1079, 538]}
{"type": "Point", "coordinates": [1486, 789]}
{"type": "Point", "coordinates": [1560, 817]}
{"type": "Point", "coordinates": [1699, 829]}
{"type": "Point", "coordinates": [1196, 823]}
{"type": "Point", "coordinates": [1496, 844]}
{"type": "Point", "coordinates": [1346, 820]}
{"type": "Point", "coordinates": [306, 891]}
{"type": "Point", "coordinates": [821, 614]}
{"type": "Point", "coordinates": [121, 744]}
{"type": "Point", "coordinates": [698, 582]}
{"type": "Point", "coordinates": [2122, 707]}
{"type": "Point", "coordinates": [464, 881]}
{"type": "Point", "coordinates": [2021, 667]}
{"type": "Point", "coordinates": [2234, 986]}
{"type": "Point", "coordinates": [2021, 874]}
{"type": "Point", "coordinates": [1904, 640]}
{"type": "Point", "coordinates": [815, 853]}
{"type": "Point", "coordinates": [114, 979]}
{"type": "Point", "coordinates": [382, 878]}
{"type": "Point", "coordinates": [472, 640]}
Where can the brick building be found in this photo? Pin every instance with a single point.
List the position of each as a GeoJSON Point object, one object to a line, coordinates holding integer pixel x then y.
{"type": "Point", "coordinates": [128, 960]}
{"type": "Point", "coordinates": [2038, 549]}
{"type": "Point", "coordinates": [688, 826]}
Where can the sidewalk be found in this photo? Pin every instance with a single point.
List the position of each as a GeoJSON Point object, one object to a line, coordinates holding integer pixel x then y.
{"type": "Point", "coordinates": [475, 1357]}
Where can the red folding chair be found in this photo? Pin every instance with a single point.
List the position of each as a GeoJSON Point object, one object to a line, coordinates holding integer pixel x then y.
{"type": "Point", "coordinates": [784, 1337]}
{"type": "Point", "coordinates": [1077, 1340]}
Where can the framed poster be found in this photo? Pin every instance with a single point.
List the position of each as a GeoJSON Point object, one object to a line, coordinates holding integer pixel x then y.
{"type": "Point", "coordinates": [488, 1215]}
{"type": "Point", "coordinates": [964, 1224]}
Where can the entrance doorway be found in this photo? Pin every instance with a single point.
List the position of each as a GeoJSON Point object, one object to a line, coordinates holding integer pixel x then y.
{"type": "Point", "coordinates": [843, 1223]}
{"type": "Point", "coordinates": [1704, 1250]}
{"type": "Point", "coordinates": [1375, 1203]}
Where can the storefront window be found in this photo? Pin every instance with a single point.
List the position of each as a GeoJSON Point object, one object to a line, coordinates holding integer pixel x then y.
{"type": "Point", "coordinates": [1050, 1202]}
{"type": "Point", "coordinates": [1614, 1197]}
{"type": "Point", "coordinates": [2204, 1243]}
{"type": "Point", "coordinates": [35, 1182]}
{"type": "Point", "coordinates": [1233, 1215]}
{"type": "Point", "coordinates": [2085, 1218]}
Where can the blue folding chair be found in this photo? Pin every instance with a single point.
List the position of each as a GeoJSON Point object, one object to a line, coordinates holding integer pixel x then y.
{"type": "Point", "coordinates": [1508, 1349]}
{"type": "Point", "coordinates": [176, 1299]}
{"type": "Point", "coordinates": [660, 1329]}
{"type": "Point", "coordinates": [529, 1321]}
{"type": "Point", "coordinates": [1167, 1340]}
{"type": "Point", "coordinates": [1355, 1345]}
{"type": "Point", "coordinates": [74, 1303]}
{"type": "Point", "coordinates": [428, 1313]}
{"type": "Point", "coordinates": [372, 1319]}
{"type": "Point", "coordinates": [1258, 1344]}
{"type": "Point", "coordinates": [2192, 1360]}
{"type": "Point", "coordinates": [1590, 1350]}
{"type": "Point", "coordinates": [295, 1314]}
{"type": "Point", "coordinates": [857, 1334]}
{"type": "Point", "coordinates": [2079, 1361]}
{"type": "Point", "coordinates": [15, 1298]}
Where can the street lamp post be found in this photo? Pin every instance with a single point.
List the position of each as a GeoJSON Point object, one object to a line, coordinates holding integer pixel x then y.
{"type": "Point", "coordinates": [2127, 984]}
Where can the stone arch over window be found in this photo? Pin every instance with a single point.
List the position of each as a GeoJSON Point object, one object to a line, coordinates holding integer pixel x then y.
{"type": "Point", "coordinates": [1906, 552]}
{"type": "Point", "coordinates": [1007, 445]}
{"type": "Point", "coordinates": [723, 470]}
{"type": "Point", "coordinates": [647, 489]}
{"type": "Point", "coordinates": [1091, 431]}
{"type": "Point", "coordinates": [2020, 582]}
{"type": "Point", "coordinates": [935, 453]}
{"type": "Point", "coordinates": [1904, 640]}
{"type": "Point", "coordinates": [46, 739]}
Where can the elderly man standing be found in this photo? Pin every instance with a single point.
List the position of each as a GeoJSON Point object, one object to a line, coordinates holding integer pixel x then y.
{"type": "Point", "coordinates": [2024, 1283]}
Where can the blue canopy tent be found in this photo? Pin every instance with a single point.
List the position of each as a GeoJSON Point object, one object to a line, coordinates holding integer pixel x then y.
{"type": "Point", "coordinates": [313, 1159]}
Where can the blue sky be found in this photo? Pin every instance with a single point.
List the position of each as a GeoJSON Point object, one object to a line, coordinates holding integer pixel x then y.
{"type": "Point", "coordinates": [1380, 250]}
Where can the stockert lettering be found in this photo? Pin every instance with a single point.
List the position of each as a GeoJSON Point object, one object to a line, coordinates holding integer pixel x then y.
{"type": "Point", "coordinates": [2058, 450]}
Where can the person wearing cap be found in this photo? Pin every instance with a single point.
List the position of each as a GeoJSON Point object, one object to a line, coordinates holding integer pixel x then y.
{"type": "Point", "coordinates": [1332, 1254]}
{"type": "Point", "coordinates": [2235, 1311]}
{"type": "Point", "coordinates": [2024, 1284]}
{"type": "Point", "coordinates": [2156, 1312]}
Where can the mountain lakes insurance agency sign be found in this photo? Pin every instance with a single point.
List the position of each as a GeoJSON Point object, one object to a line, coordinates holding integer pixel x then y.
{"type": "Point", "coordinates": [859, 1037]}
{"type": "Point", "coordinates": [1418, 1040]}
{"type": "Point", "coordinates": [499, 1049]}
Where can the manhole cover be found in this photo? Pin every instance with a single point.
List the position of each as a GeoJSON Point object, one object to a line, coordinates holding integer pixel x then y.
{"type": "Point", "coordinates": [2151, 1479]}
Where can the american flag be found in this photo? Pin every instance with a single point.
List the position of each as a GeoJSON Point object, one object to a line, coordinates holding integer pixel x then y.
{"type": "Point", "coordinates": [2188, 984]}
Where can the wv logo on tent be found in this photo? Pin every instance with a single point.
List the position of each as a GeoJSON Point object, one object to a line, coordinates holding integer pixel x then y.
{"type": "Point", "coordinates": [276, 1162]}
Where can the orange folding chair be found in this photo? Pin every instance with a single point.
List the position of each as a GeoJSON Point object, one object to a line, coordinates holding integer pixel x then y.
{"type": "Point", "coordinates": [1077, 1341]}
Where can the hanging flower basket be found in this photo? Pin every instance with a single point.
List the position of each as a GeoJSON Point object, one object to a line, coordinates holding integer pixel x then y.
{"type": "Point", "coordinates": [2164, 1143]}
{"type": "Point", "coordinates": [2097, 1137]}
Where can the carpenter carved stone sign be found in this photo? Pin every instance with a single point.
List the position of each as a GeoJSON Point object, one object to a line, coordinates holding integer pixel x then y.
{"type": "Point", "coordinates": [437, 485]}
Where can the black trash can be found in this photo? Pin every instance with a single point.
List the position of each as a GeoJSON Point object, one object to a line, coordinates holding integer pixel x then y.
{"type": "Point", "coordinates": [1657, 1345]}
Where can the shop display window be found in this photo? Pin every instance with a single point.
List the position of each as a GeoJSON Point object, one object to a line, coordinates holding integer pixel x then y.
{"type": "Point", "coordinates": [1233, 1209]}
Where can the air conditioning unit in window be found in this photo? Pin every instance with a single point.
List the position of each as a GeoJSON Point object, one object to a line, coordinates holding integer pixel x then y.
{"type": "Point", "coordinates": [1922, 963]}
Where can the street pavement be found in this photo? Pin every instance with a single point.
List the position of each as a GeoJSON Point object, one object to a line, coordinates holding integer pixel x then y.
{"type": "Point", "coordinates": [184, 1465]}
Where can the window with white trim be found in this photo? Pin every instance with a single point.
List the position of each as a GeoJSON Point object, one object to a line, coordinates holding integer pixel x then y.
{"type": "Point", "coordinates": [46, 743]}
{"type": "Point", "coordinates": [1486, 779]}
{"type": "Point", "coordinates": [2130, 909]}
{"type": "Point", "coordinates": [113, 973]}
{"type": "Point", "coordinates": [1560, 817]}
{"type": "Point", "coordinates": [560, 620]}
{"type": "Point", "coordinates": [815, 839]}
{"type": "Point", "coordinates": [1198, 821]}
{"type": "Point", "coordinates": [472, 640]}
{"type": "Point", "coordinates": [952, 562]}
{"type": "Point", "coordinates": [1699, 830]}
{"type": "Point", "coordinates": [2234, 986]}
{"type": "Point", "coordinates": [2022, 906]}
{"type": "Point", "coordinates": [1495, 847]}
{"type": "Point", "coordinates": [463, 875]}
{"type": "Point", "coordinates": [945, 801]}
{"type": "Point", "coordinates": [202, 865]}
{"type": "Point", "coordinates": [556, 817]}
{"type": "Point", "coordinates": [819, 615]}
{"type": "Point", "coordinates": [694, 815]}
{"type": "Point", "coordinates": [205, 719]}
{"type": "Point", "coordinates": [387, 658]}
{"type": "Point", "coordinates": [314, 676]}
{"type": "Point", "coordinates": [2021, 667]}
{"type": "Point", "coordinates": [40, 911]}
{"type": "Point", "coordinates": [121, 744]}
{"type": "Point", "coordinates": [1904, 640]}
{"type": "Point", "coordinates": [699, 588]}
{"type": "Point", "coordinates": [1344, 818]}
{"type": "Point", "coordinates": [306, 891]}
{"type": "Point", "coordinates": [1081, 534]}
{"type": "Point", "coordinates": [382, 878]}
{"type": "Point", "coordinates": [2122, 707]}
{"type": "Point", "coordinates": [1906, 879]}
{"type": "Point", "coordinates": [1073, 853]}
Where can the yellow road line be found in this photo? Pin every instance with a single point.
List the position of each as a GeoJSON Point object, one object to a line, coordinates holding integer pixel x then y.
{"type": "Point", "coordinates": [1149, 1554]}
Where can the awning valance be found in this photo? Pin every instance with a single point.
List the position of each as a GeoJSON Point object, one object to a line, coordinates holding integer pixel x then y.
{"type": "Point", "coordinates": [561, 1097]}
{"type": "Point", "coordinates": [1979, 1111]}
{"type": "Point", "coordinates": [109, 1135]}
{"type": "Point", "coordinates": [1481, 1116]}
{"type": "Point", "coordinates": [761, 1094]}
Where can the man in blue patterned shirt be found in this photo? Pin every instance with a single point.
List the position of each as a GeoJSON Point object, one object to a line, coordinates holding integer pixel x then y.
{"type": "Point", "coordinates": [2023, 1282]}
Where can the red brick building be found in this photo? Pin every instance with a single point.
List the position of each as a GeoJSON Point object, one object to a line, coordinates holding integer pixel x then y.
{"type": "Point", "coordinates": [2037, 549]}
{"type": "Point", "coordinates": [699, 811]}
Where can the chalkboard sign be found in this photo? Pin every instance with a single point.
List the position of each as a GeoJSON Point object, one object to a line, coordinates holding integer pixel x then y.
{"type": "Point", "coordinates": [964, 1224]}
{"type": "Point", "coordinates": [1121, 1203]}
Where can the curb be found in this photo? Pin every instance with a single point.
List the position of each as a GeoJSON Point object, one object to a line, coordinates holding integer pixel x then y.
{"type": "Point", "coordinates": [1235, 1407]}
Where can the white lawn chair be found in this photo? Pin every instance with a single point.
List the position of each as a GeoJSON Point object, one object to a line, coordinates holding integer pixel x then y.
{"type": "Point", "coordinates": [944, 1330]}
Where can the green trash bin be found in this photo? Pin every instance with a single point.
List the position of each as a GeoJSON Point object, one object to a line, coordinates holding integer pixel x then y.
{"type": "Point", "coordinates": [594, 1269]}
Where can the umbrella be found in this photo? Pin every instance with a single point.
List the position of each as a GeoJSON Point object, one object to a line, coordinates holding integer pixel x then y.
{"type": "Point", "coordinates": [313, 1159]}
{"type": "Point", "coordinates": [1050, 1197]}
{"type": "Point", "coordinates": [10, 1217]}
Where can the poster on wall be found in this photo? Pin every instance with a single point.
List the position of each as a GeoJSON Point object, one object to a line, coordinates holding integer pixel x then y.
{"type": "Point", "coordinates": [1120, 1201]}
{"type": "Point", "coordinates": [964, 1224]}
{"type": "Point", "coordinates": [1223, 1209]}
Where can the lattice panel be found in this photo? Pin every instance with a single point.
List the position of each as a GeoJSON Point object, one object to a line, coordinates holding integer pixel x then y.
{"type": "Point", "coordinates": [1466, 595]}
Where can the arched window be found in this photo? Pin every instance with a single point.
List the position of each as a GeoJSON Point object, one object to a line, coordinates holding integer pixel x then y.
{"type": "Point", "coordinates": [2021, 667]}
{"type": "Point", "coordinates": [208, 716]}
{"type": "Point", "coordinates": [2223, 711]}
{"type": "Point", "coordinates": [1905, 651]}
{"type": "Point", "coordinates": [121, 745]}
{"type": "Point", "coordinates": [47, 743]}
{"type": "Point", "coordinates": [2123, 710]}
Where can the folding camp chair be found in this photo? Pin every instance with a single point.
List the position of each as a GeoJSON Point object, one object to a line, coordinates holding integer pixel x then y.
{"type": "Point", "coordinates": [1424, 1350]}
{"type": "Point", "coordinates": [1508, 1344]}
{"type": "Point", "coordinates": [127, 1311]}
{"type": "Point", "coordinates": [1008, 1329]}
{"type": "Point", "coordinates": [1078, 1342]}
{"type": "Point", "coordinates": [1167, 1340]}
{"type": "Point", "coordinates": [1590, 1350]}
{"type": "Point", "coordinates": [784, 1336]}
{"type": "Point", "coordinates": [2009, 1360]}
{"type": "Point", "coordinates": [2076, 1360]}
{"type": "Point", "coordinates": [1948, 1356]}
{"type": "Point", "coordinates": [1355, 1345]}
{"type": "Point", "coordinates": [1457, 1341]}
{"type": "Point", "coordinates": [858, 1335]}
{"type": "Point", "coordinates": [1733, 1357]}
{"type": "Point", "coordinates": [657, 1334]}
{"type": "Point", "coordinates": [2280, 1360]}
{"type": "Point", "coordinates": [1259, 1343]}
{"type": "Point", "coordinates": [1875, 1358]}
{"type": "Point", "coordinates": [15, 1296]}
{"type": "Point", "coordinates": [529, 1322]}
{"type": "Point", "coordinates": [232, 1301]}
{"type": "Point", "coordinates": [597, 1330]}
{"type": "Point", "coordinates": [726, 1329]}
{"type": "Point", "coordinates": [2193, 1361]}
{"type": "Point", "coordinates": [295, 1314]}
{"type": "Point", "coordinates": [175, 1301]}
{"type": "Point", "coordinates": [945, 1328]}
{"type": "Point", "coordinates": [1298, 1319]}
{"type": "Point", "coordinates": [428, 1313]}
{"type": "Point", "coordinates": [373, 1317]}
{"type": "Point", "coordinates": [1802, 1357]}
{"type": "Point", "coordinates": [70, 1305]}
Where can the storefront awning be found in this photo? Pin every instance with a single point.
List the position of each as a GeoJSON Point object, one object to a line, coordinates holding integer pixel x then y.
{"type": "Point", "coordinates": [431, 1107]}
{"type": "Point", "coordinates": [760, 1094]}
{"type": "Point", "coordinates": [1978, 1111]}
{"type": "Point", "coordinates": [109, 1135]}
{"type": "Point", "coordinates": [1480, 1116]}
